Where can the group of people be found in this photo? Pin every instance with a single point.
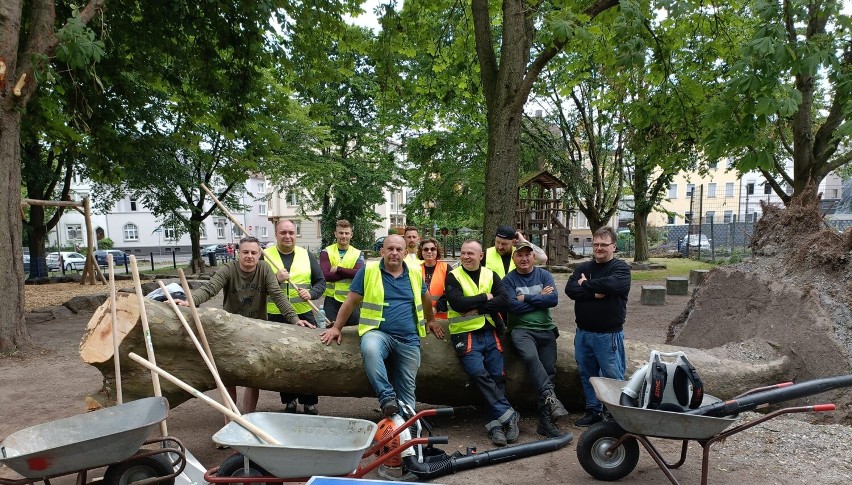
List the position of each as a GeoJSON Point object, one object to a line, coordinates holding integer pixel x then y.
{"type": "Point", "coordinates": [494, 297]}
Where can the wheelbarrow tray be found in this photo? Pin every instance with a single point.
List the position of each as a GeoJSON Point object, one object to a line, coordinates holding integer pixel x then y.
{"type": "Point", "coordinates": [85, 441]}
{"type": "Point", "coordinates": [661, 424]}
{"type": "Point", "coordinates": [309, 445]}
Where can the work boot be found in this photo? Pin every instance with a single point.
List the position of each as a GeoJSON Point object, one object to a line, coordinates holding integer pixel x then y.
{"type": "Point", "coordinates": [591, 417]}
{"type": "Point", "coordinates": [291, 407]}
{"type": "Point", "coordinates": [555, 408]}
{"type": "Point", "coordinates": [546, 426]}
{"type": "Point", "coordinates": [512, 429]}
{"type": "Point", "coordinates": [389, 408]}
{"type": "Point", "coordinates": [311, 409]}
{"type": "Point", "coordinates": [498, 437]}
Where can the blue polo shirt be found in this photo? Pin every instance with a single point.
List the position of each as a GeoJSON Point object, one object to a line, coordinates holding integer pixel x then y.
{"type": "Point", "coordinates": [400, 318]}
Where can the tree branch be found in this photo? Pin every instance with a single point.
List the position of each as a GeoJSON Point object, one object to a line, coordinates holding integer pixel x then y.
{"type": "Point", "coordinates": [779, 190]}
{"type": "Point", "coordinates": [484, 48]}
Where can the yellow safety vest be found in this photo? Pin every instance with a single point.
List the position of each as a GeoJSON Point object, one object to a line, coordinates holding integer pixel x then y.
{"type": "Point", "coordinates": [340, 288]}
{"type": "Point", "coordinates": [494, 262]}
{"type": "Point", "coordinates": [412, 260]}
{"type": "Point", "coordinates": [468, 323]}
{"type": "Point", "coordinates": [374, 304]}
{"type": "Point", "coordinates": [300, 277]}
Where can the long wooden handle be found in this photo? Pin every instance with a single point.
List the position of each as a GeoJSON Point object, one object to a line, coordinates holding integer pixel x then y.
{"type": "Point", "coordinates": [117, 364]}
{"type": "Point", "coordinates": [226, 398]}
{"type": "Point", "coordinates": [207, 399]}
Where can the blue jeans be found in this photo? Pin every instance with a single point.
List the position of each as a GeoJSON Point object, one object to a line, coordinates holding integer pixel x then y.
{"type": "Point", "coordinates": [598, 355]}
{"type": "Point", "coordinates": [379, 348]}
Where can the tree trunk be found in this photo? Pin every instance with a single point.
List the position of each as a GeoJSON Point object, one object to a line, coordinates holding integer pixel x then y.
{"type": "Point", "coordinates": [640, 233]}
{"type": "Point", "coordinates": [501, 171]}
{"type": "Point", "coordinates": [13, 329]}
{"type": "Point", "coordinates": [288, 358]}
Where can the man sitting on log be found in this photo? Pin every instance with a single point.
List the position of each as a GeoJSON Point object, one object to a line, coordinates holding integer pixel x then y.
{"type": "Point", "coordinates": [247, 285]}
{"type": "Point", "coordinates": [396, 311]}
{"type": "Point", "coordinates": [474, 296]}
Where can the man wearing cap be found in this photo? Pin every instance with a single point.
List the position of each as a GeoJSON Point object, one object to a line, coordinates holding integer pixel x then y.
{"type": "Point", "coordinates": [532, 293]}
{"type": "Point", "coordinates": [474, 296]}
{"type": "Point", "coordinates": [498, 258]}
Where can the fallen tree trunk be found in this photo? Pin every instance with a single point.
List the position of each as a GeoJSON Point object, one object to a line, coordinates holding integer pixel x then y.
{"type": "Point", "coordinates": [287, 358]}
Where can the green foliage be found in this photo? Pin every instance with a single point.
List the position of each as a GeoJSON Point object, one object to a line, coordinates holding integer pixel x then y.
{"type": "Point", "coordinates": [106, 243]}
{"type": "Point", "coordinates": [78, 46]}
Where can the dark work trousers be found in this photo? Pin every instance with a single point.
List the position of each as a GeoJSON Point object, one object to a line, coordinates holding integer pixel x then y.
{"type": "Point", "coordinates": [332, 307]}
{"type": "Point", "coordinates": [285, 396]}
{"type": "Point", "coordinates": [480, 353]}
{"type": "Point", "coordinates": [537, 348]}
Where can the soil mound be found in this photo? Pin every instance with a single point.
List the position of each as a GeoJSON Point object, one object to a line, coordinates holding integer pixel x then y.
{"type": "Point", "coordinates": [795, 294]}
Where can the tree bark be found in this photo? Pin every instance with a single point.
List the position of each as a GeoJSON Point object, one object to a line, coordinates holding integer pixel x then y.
{"type": "Point", "coordinates": [287, 358]}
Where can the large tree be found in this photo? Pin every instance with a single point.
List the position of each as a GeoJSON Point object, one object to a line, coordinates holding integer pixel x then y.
{"type": "Point", "coordinates": [513, 46]}
{"type": "Point", "coordinates": [29, 36]}
{"type": "Point", "coordinates": [788, 95]}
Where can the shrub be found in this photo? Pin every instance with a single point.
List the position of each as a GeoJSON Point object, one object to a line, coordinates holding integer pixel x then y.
{"type": "Point", "coordinates": [106, 243]}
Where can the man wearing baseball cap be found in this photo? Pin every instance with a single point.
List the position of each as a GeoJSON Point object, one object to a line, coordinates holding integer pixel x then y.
{"type": "Point", "coordinates": [498, 258]}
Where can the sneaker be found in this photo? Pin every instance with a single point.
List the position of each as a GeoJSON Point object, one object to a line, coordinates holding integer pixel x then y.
{"type": "Point", "coordinates": [588, 419]}
{"type": "Point", "coordinates": [555, 408]}
{"type": "Point", "coordinates": [291, 407]}
{"type": "Point", "coordinates": [311, 409]}
{"type": "Point", "coordinates": [389, 409]}
{"type": "Point", "coordinates": [498, 437]}
{"type": "Point", "coordinates": [512, 429]}
{"type": "Point", "coordinates": [547, 428]}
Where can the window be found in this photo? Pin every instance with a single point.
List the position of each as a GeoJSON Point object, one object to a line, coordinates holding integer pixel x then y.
{"type": "Point", "coordinates": [688, 217]}
{"type": "Point", "coordinates": [131, 232]}
{"type": "Point", "coordinates": [750, 188]}
{"type": "Point", "coordinates": [832, 194]}
{"type": "Point", "coordinates": [74, 232]}
{"type": "Point", "coordinates": [261, 187]}
{"type": "Point", "coordinates": [133, 204]}
{"type": "Point", "coordinates": [298, 227]}
{"type": "Point", "coordinates": [264, 232]}
{"type": "Point", "coordinates": [261, 209]}
{"type": "Point", "coordinates": [396, 201]}
{"type": "Point", "coordinates": [220, 229]}
{"type": "Point", "coordinates": [202, 231]}
{"type": "Point", "coordinates": [690, 189]}
{"type": "Point", "coordinates": [714, 164]}
{"type": "Point", "coordinates": [236, 231]}
{"type": "Point", "coordinates": [292, 200]}
{"type": "Point", "coordinates": [711, 190]}
{"type": "Point", "coordinates": [169, 233]}
{"type": "Point", "coordinates": [727, 217]}
{"type": "Point", "coordinates": [767, 189]}
{"type": "Point", "coordinates": [710, 216]}
{"type": "Point", "coordinates": [729, 189]}
{"type": "Point", "coordinates": [672, 219]}
{"type": "Point", "coordinates": [672, 191]}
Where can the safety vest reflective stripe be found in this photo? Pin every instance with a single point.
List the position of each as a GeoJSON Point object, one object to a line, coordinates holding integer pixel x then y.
{"type": "Point", "coordinates": [372, 306]}
{"type": "Point", "coordinates": [300, 277]}
{"type": "Point", "coordinates": [468, 323]}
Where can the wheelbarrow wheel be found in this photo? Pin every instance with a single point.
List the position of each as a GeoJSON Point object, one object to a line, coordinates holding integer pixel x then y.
{"type": "Point", "coordinates": [234, 466]}
{"type": "Point", "coordinates": [592, 450]}
{"type": "Point", "coordinates": [130, 471]}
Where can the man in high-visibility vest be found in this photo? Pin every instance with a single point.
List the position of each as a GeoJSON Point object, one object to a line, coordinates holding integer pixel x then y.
{"type": "Point", "coordinates": [396, 312]}
{"type": "Point", "coordinates": [301, 279]}
{"type": "Point", "coordinates": [498, 258]}
{"type": "Point", "coordinates": [412, 244]}
{"type": "Point", "coordinates": [475, 295]}
{"type": "Point", "coordinates": [339, 263]}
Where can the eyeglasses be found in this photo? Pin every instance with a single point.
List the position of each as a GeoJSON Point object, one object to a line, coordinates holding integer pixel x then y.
{"type": "Point", "coordinates": [601, 245]}
{"type": "Point", "coordinates": [429, 249]}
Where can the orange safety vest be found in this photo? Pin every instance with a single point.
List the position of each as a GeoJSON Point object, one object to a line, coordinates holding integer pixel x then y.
{"type": "Point", "coordinates": [436, 287]}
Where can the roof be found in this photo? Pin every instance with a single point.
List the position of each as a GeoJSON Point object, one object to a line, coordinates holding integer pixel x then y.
{"type": "Point", "coordinates": [543, 178]}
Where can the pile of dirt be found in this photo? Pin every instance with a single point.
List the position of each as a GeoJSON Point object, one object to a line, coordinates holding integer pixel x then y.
{"type": "Point", "coordinates": [795, 295]}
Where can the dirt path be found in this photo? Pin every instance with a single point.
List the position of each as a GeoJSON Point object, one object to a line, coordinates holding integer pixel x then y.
{"type": "Point", "coordinates": [51, 382]}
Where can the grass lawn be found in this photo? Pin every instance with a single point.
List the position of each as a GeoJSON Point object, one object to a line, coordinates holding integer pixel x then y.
{"type": "Point", "coordinates": [674, 267]}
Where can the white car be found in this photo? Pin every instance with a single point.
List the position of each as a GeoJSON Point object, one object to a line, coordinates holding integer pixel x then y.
{"type": "Point", "coordinates": [70, 260]}
{"type": "Point", "coordinates": [697, 241]}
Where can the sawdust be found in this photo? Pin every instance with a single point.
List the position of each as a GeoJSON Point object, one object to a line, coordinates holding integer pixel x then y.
{"type": "Point", "coordinates": [40, 296]}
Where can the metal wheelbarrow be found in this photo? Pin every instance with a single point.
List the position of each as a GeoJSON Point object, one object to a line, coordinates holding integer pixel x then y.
{"type": "Point", "coordinates": [609, 450]}
{"type": "Point", "coordinates": [107, 437]}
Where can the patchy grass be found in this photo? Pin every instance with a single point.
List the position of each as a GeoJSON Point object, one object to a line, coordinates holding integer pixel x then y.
{"type": "Point", "coordinates": [674, 267]}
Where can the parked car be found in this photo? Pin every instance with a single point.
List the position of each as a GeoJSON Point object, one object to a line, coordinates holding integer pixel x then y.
{"type": "Point", "coordinates": [377, 246]}
{"type": "Point", "coordinates": [695, 241]}
{"type": "Point", "coordinates": [119, 258]}
{"type": "Point", "coordinates": [69, 260]}
{"type": "Point", "coordinates": [209, 249]}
